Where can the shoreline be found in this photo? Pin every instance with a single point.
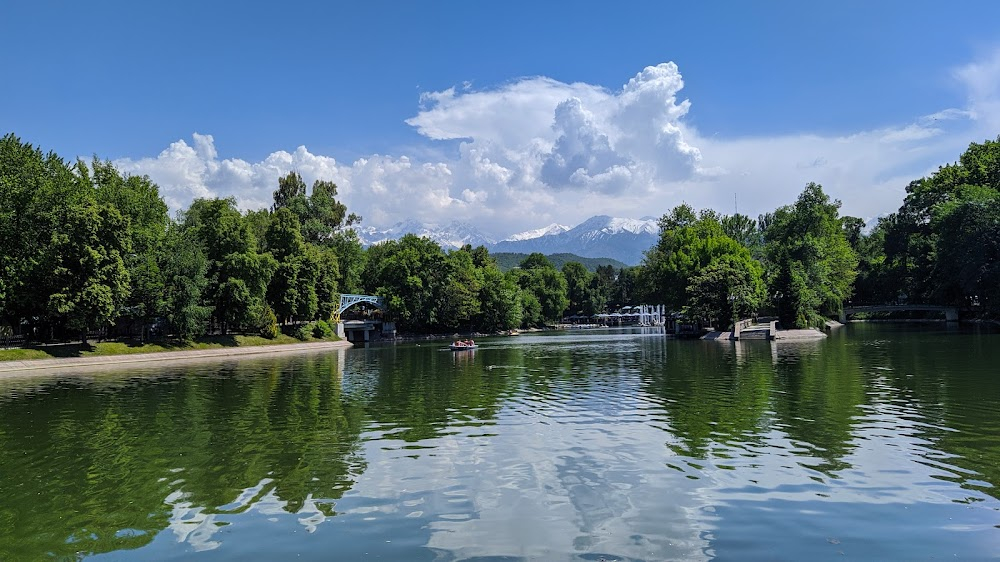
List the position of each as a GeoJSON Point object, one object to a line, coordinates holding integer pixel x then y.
{"type": "Point", "coordinates": [410, 336]}
{"type": "Point", "coordinates": [46, 366]}
{"type": "Point", "coordinates": [793, 335]}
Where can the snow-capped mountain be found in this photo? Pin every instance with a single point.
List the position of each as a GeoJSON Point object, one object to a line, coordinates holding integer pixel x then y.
{"type": "Point", "coordinates": [597, 237]}
{"type": "Point", "coordinates": [454, 235]}
{"type": "Point", "coordinates": [550, 230]}
{"type": "Point", "coordinates": [370, 235]}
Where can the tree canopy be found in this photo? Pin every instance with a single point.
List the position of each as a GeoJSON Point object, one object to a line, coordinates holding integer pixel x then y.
{"type": "Point", "coordinates": [85, 248]}
{"type": "Point", "coordinates": [810, 264]}
{"type": "Point", "coordinates": [689, 245]}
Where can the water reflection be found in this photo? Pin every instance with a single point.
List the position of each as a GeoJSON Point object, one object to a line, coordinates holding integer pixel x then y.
{"type": "Point", "coordinates": [83, 460]}
{"type": "Point", "coordinates": [878, 442]}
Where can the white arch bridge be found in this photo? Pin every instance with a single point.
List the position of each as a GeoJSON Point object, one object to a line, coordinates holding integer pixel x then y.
{"type": "Point", "coordinates": [347, 301]}
{"type": "Point", "coordinates": [363, 331]}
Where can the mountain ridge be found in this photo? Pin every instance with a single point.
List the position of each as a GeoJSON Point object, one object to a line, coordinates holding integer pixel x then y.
{"type": "Point", "coordinates": [601, 236]}
{"type": "Point", "coordinates": [552, 229]}
{"type": "Point", "coordinates": [507, 261]}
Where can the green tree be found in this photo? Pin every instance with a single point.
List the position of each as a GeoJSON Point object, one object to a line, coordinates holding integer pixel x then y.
{"type": "Point", "coordinates": [241, 294]}
{"type": "Point", "coordinates": [291, 192]}
{"type": "Point", "coordinates": [480, 256]}
{"type": "Point", "coordinates": [578, 288]}
{"type": "Point", "coordinates": [853, 231]}
{"type": "Point", "coordinates": [627, 288]}
{"type": "Point", "coordinates": [874, 283]}
{"type": "Point", "coordinates": [238, 275]}
{"type": "Point", "coordinates": [320, 214]}
{"type": "Point", "coordinates": [729, 288]}
{"type": "Point", "coordinates": [138, 199]}
{"type": "Point", "coordinates": [811, 265]}
{"type": "Point", "coordinates": [324, 222]}
{"type": "Point", "coordinates": [968, 250]}
{"type": "Point", "coordinates": [531, 308]}
{"type": "Point", "coordinates": [538, 278]}
{"type": "Point", "coordinates": [308, 278]}
{"type": "Point", "coordinates": [500, 301]}
{"type": "Point", "coordinates": [350, 261]}
{"type": "Point", "coordinates": [328, 272]}
{"type": "Point", "coordinates": [687, 244]}
{"type": "Point", "coordinates": [220, 228]}
{"type": "Point", "coordinates": [681, 216]}
{"type": "Point", "coordinates": [603, 288]}
{"type": "Point", "coordinates": [184, 267]}
{"type": "Point", "coordinates": [459, 302]}
{"type": "Point", "coordinates": [746, 231]}
{"type": "Point", "coordinates": [327, 216]}
{"type": "Point", "coordinates": [409, 274]}
{"type": "Point", "coordinates": [292, 290]}
{"type": "Point", "coordinates": [36, 190]}
{"type": "Point", "coordinates": [259, 221]}
{"type": "Point", "coordinates": [912, 257]}
{"type": "Point", "coordinates": [88, 281]}
{"type": "Point", "coordinates": [536, 260]}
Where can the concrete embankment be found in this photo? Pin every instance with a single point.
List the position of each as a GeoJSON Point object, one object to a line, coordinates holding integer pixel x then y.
{"type": "Point", "coordinates": [40, 366]}
{"type": "Point", "coordinates": [780, 335]}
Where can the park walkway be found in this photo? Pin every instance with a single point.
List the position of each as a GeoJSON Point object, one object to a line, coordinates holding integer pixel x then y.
{"type": "Point", "coordinates": [20, 368]}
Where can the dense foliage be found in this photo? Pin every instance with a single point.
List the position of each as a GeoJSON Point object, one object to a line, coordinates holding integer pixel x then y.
{"type": "Point", "coordinates": [682, 265]}
{"type": "Point", "coordinates": [941, 246]}
{"type": "Point", "coordinates": [810, 264]}
{"type": "Point", "coordinates": [85, 249]}
{"type": "Point", "coordinates": [509, 260]}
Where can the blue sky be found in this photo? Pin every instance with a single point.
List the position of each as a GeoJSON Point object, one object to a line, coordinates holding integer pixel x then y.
{"type": "Point", "coordinates": [512, 115]}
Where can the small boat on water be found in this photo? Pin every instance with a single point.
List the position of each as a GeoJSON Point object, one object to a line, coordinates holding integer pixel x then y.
{"type": "Point", "coordinates": [462, 346]}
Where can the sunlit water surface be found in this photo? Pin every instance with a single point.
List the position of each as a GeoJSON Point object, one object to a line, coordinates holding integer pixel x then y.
{"type": "Point", "coordinates": [878, 443]}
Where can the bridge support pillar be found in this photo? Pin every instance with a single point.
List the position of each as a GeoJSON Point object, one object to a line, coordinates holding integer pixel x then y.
{"type": "Point", "coordinates": [843, 316]}
{"type": "Point", "coordinates": [951, 314]}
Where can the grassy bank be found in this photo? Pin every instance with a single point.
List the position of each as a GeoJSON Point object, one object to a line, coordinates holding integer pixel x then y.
{"type": "Point", "coordinates": [132, 347]}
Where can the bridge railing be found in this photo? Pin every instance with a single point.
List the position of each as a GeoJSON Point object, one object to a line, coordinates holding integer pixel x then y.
{"type": "Point", "coordinates": [741, 325]}
{"type": "Point", "coordinates": [950, 312]}
{"type": "Point", "coordinates": [349, 300]}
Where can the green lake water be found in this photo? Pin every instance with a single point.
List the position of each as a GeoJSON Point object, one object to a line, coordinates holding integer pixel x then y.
{"type": "Point", "coordinates": [881, 442]}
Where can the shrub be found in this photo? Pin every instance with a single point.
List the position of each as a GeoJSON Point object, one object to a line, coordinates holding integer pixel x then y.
{"type": "Point", "coordinates": [302, 332]}
{"type": "Point", "coordinates": [322, 330]}
{"type": "Point", "coordinates": [268, 324]}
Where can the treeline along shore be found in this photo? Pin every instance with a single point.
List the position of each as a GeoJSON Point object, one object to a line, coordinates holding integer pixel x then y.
{"type": "Point", "coordinates": [86, 250]}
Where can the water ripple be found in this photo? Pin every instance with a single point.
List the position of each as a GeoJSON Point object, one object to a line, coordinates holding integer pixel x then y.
{"type": "Point", "coordinates": [614, 446]}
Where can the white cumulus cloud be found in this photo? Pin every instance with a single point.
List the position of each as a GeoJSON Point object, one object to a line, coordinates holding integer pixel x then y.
{"type": "Point", "coordinates": [186, 172]}
{"type": "Point", "coordinates": [536, 151]}
{"type": "Point", "coordinates": [582, 155]}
